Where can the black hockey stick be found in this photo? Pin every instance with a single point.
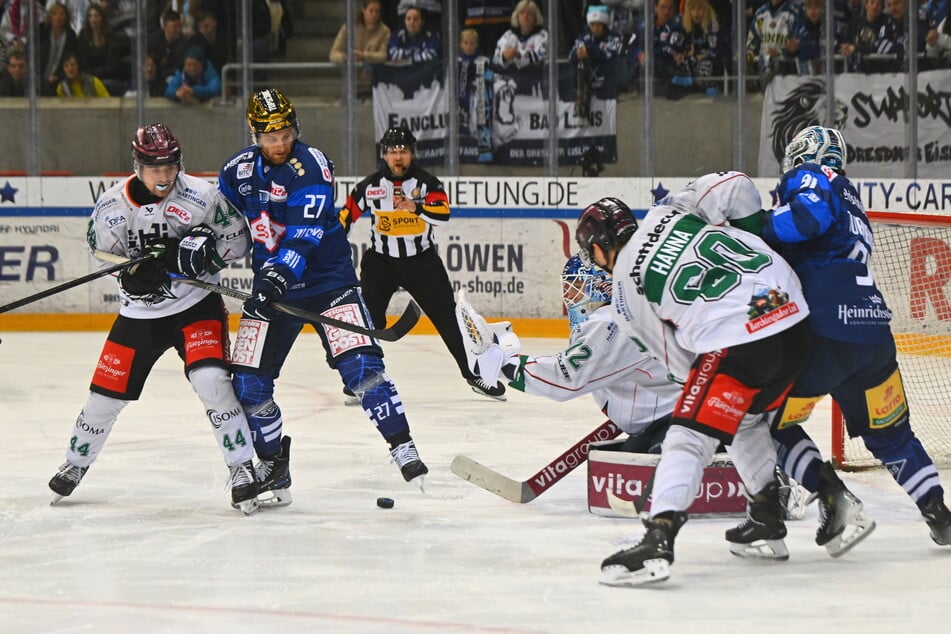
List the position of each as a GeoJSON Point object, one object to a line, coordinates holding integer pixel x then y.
{"type": "Point", "coordinates": [77, 282]}
{"type": "Point", "coordinates": [397, 331]}
{"type": "Point", "coordinates": [524, 492]}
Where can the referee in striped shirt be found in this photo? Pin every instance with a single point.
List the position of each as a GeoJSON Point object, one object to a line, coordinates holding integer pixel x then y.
{"type": "Point", "coordinates": [405, 204]}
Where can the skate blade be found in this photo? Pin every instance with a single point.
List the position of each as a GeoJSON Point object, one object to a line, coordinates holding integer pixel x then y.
{"type": "Point", "coordinates": [500, 397]}
{"type": "Point", "coordinates": [352, 401]}
{"type": "Point", "coordinates": [858, 528]}
{"type": "Point", "coordinates": [772, 549]}
{"type": "Point", "coordinates": [420, 482]}
{"type": "Point", "coordinates": [55, 499]}
{"type": "Point", "coordinates": [274, 498]}
{"type": "Point", "coordinates": [248, 507]}
{"type": "Point", "coordinates": [654, 570]}
{"type": "Point", "coordinates": [940, 536]}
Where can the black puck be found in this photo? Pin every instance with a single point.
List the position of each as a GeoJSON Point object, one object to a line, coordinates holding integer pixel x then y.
{"type": "Point", "coordinates": [385, 503]}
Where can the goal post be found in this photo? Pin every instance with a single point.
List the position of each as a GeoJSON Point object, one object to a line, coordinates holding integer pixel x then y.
{"type": "Point", "coordinates": [911, 262]}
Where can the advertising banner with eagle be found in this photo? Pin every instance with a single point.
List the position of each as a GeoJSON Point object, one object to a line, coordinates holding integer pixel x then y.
{"type": "Point", "coordinates": [872, 112]}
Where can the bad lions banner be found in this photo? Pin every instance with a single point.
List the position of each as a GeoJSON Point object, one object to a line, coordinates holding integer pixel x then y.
{"type": "Point", "coordinates": [871, 111]}
{"type": "Point", "coordinates": [504, 118]}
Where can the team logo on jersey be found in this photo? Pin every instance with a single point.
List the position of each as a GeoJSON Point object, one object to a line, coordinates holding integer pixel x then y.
{"type": "Point", "coordinates": [768, 307]}
{"type": "Point", "coordinates": [179, 213]}
{"type": "Point", "coordinates": [278, 193]}
{"type": "Point", "coordinates": [266, 232]}
{"type": "Point", "coordinates": [244, 189]}
{"type": "Point", "coordinates": [244, 170]}
{"type": "Point", "coordinates": [376, 193]}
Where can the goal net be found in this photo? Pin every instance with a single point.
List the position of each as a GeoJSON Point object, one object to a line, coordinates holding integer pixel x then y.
{"type": "Point", "coordinates": [911, 262]}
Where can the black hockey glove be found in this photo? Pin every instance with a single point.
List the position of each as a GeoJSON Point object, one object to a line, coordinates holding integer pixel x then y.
{"type": "Point", "coordinates": [144, 281]}
{"type": "Point", "coordinates": [195, 251]}
{"type": "Point", "coordinates": [269, 286]}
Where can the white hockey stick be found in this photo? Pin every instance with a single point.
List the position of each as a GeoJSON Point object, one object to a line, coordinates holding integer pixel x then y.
{"type": "Point", "coordinates": [526, 491]}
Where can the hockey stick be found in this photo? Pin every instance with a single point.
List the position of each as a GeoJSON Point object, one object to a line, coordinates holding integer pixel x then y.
{"type": "Point", "coordinates": [77, 282]}
{"type": "Point", "coordinates": [524, 492]}
{"type": "Point", "coordinates": [397, 331]}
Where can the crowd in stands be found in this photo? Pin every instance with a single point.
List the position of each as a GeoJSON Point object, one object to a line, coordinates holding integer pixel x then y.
{"type": "Point", "coordinates": [84, 47]}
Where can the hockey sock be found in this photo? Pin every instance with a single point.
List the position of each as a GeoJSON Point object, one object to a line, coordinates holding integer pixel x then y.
{"type": "Point", "coordinates": [366, 376]}
{"type": "Point", "coordinates": [685, 453]}
{"type": "Point", "coordinates": [753, 453]}
{"type": "Point", "coordinates": [906, 459]}
{"type": "Point", "coordinates": [92, 428]}
{"type": "Point", "coordinates": [213, 387]}
{"type": "Point", "coordinates": [264, 416]}
{"type": "Point", "coordinates": [798, 456]}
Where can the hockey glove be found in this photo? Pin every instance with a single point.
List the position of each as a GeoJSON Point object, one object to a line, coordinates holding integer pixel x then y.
{"type": "Point", "coordinates": [270, 285]}
{"type": "Point", "coordinates": [145, 281]}
{"type": "Point", "coordinates": [195, 251]}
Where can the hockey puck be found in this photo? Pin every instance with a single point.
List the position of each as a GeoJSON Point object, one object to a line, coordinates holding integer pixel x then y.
{"type": "Point", "coordinates": [385, 503]}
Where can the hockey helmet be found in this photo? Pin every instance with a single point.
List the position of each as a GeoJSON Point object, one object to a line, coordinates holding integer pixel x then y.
{"type": "Point", "coordinates": [397, 136]}
{"type": "Point", "coordinates": [608, 223]}
{"type": "Point", "coordinates": [154, 144]}
{"type": "Point", "coordinates": [584, 289]}
{"type": "Point", "coordinates": [815, 144]}
{"type": "Point", "coordinates": [269, 111]}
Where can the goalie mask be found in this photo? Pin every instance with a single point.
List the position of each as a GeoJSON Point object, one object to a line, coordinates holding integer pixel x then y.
{"type": "Point", "coordinates": [584, 289]}
{"type": "Point", "coordinates": [815, 144]}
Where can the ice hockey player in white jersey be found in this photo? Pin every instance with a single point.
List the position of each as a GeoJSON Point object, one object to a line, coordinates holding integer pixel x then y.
{"type": "Point", "coordinates": [690, 292]}
{"type": "Point", "coordinates": [629, 386]}
{"type": "Point", "coordinates": [190, 230]}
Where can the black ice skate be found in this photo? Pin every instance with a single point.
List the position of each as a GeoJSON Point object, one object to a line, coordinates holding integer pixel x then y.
{"type": "Point", "coordinates": [842, 524]}
{"type": "Point", "coordinates": [274, 477]}
{"type": "Point", "coordinates": [938, 518]}
{"type": "Point", "coordinates": [761, 535]}
{"type": "Point", "coordinates": [411, 466]}
{"type": "Point", "coordinates": [66, 480]}
{"type": "Point", "coordinates": [244, 487]}
{"type": "Point", "coordinates": [649, 561]}
{"type": "Point", "coordinates": [481, 387]}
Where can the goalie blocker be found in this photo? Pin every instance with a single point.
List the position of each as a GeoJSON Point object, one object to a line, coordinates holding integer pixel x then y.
{"type": "Point", "coordinates": [628, 476]}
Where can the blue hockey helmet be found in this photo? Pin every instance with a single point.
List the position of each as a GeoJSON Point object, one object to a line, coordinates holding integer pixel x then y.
{"type": "Point", "coordinates": [584, 289]}
{"type": "Point", "coordinates": [815, 144]}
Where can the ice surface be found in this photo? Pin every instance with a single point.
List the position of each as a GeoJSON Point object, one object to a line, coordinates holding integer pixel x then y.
{"type": "Point", "coordinates": [149, 543]}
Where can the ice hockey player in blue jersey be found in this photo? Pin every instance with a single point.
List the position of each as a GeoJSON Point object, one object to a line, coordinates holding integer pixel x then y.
{"type": "Point", "coordinates": [821, 229]}
{"type": "Point", "coordinates": [300, 257]}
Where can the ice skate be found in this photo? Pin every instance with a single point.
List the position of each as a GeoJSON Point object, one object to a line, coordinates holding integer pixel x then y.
{"type": "Point", "coordinates": [350, 399]}
{"type": "Point", "coordinates": [274, 477]}
{"type": "Point", "coordinates": [411, 466]}
{"type": "Point", "coordinates": [481, 387]}
{"type": "Point", "coordinates": [938, 518]}
{"type": "Point", "coordinates": [649, 561]}
{"type": "Point", "coordinates": [761, 535]}
{"type": "Point", "coordinates": [793, 497]}
{"type": "Point", "coordinates": [244, 487]}
{"type": "Point", "coordinates": [842, 524]}
{"type": "Point", "coordinates": [66, 480]}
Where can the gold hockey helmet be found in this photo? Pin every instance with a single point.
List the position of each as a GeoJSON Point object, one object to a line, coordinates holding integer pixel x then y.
{"type": "Point", "coordinates": [269, 111]}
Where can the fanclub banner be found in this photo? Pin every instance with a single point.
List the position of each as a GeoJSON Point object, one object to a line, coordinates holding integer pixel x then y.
{"type": "Point", "coordinates": [871, 111]}
{"type": "Point", "coordinates": [506, 120]}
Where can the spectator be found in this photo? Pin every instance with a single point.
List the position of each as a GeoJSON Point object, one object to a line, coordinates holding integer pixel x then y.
{"type": "Point", "coordinates": [370, 38]}
{"type": "Point", "coordinates": [431, 11]}
{"type": "Point", "coordinates": [13, 79]}
{"type": "Point", "coordinates": [770, 30]}
{"type": "Point", "coordinates": [893, 36]}
{"type": "Point", "coordinates": [14, 26]}
{"type": "Point", "coordinates": [707, 44]}
{"type": "Point", "coordinates": [3, 56]}
{"type": "Point", "coordinates": [808, 40]}
{"type": "Point", "coordinates": [103, 53]}
{"type": "Point", "coordinates": [475, 94]}
{"type": "Point", "coordinates": [213, 40]}
{"type": "Point", "coordinates": [936, 11]}
{"type": "Point", "coordinates": [155, 84]}
{"type": "Point", "coordinates": [593, 56]}
{"type": "Point", "coordinates": [196, 82]}
{"type": "Point", "coordinates": [670, 46]}
{"type": "Point", "coordinates": [187, 10]}
{"type": "Point", "coordinates": [57, 39]}
{"type": "Point", "coordinates": [940, 48]}
{"type": "Point", "coordinates": [168, 47]}
{"type": "Point", "coordinates": [414, 42]}
{"type": "Point", "coordinates": [76, 83]}
{"type": "Point", "coordinates": [862, 33]}
{"type": "Point", "coordinates": [525, 45]}
{"type": "Point", "coordinates": [490, 19]}
{"type": "Point", "coordinates": [77, 11]}
{"type": "Point", "coordinates": [281, 27]}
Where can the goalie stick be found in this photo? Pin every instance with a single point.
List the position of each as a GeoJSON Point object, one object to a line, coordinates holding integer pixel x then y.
{"type": "Point", "coordinates": [73, 283]}
{"type": "Point", "coordinates": [524, 492]}
{"type": "Point", "coordinates": [395, 332]}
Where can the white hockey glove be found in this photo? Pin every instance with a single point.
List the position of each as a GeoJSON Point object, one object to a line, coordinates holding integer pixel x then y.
{"type": "Point", "coordinates": [488, 346]}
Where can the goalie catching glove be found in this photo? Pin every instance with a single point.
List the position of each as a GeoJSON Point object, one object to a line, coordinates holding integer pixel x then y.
{"type": "Point", "coordinates": [195, 251]}
{"type": "Point", "coordinates": [270, 285]}
{"type": "Point", "coordinates": [148, 280]}
{"type": "Point", "coordinates": [489, 347]}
